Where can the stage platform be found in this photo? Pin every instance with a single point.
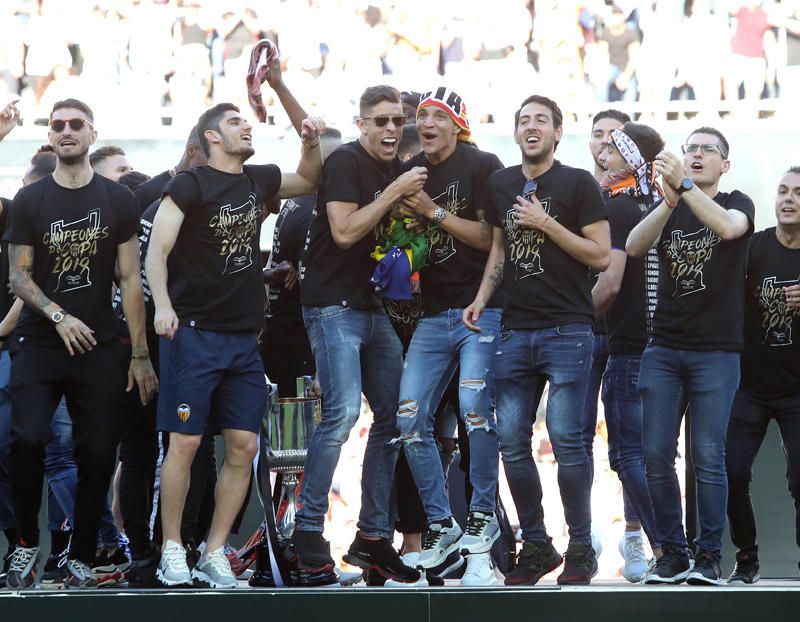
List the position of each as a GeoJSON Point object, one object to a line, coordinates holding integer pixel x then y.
{"type": "Point", "coordinates": [769, 600]}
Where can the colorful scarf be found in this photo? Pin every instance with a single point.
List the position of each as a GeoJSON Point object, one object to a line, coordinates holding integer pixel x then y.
{"type": "Point", "coordinates": [638, 178]}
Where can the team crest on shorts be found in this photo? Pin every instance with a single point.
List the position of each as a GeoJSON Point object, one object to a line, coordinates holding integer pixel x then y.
{"type": "Point", "coordinates": [183, 412]}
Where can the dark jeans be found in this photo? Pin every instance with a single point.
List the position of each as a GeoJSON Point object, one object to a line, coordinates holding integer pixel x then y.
{"type": "Point", "coordinates": [599, 360]}
{"type": "Point", "coordinates": [93, 384]}
{"type": "Point", "coordinates": [750, 417]}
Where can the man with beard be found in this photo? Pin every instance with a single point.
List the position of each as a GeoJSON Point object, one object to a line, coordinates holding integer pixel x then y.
{"type": "Point", "coordinates": [354, 345]}
{"type": "Point", "coordinates": [770, 386]}
{"type": "Point", "coordinates": [208, 312]}
{"type": "Point", "coordinates": [110, 161]}
{"type": "Point", "coordinates": [550, 228]}
{"type": "Point", "coordinates": [702, 236]}
{"type": "Point", "coordinates": [65, 235]}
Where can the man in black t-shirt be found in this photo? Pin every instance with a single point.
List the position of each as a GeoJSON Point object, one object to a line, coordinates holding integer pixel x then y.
{"type": "Point", "coordinates": [354, 345]}
{"type": "Point", "coordinates": [66, 233]}
{"type": "Point", "coordinates": [692, 357]}
{"type": "Point", "coordinates": [770, 386]}
{"type": "Point", "coordinates": [550, 228]}
{"type": "Point", "coordinates": [453, 201]}
{"type": "Point", "coordinates": [208, 314]}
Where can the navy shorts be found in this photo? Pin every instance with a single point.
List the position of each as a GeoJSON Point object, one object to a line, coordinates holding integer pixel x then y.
{"type": "Point", "coordinates": [210, 381]}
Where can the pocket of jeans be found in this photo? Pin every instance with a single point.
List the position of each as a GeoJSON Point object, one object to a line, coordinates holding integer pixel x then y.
{"type": "Point", "coordinates": [505, 334]}
{"type": "Point", "coordinates": [332, 311]}
{"type": "Point", "coordinates": [574, 330]}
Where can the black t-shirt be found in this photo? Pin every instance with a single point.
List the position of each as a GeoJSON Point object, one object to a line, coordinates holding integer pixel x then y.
{"type": "Point", "coordinates": [6, 297]}
{"type": "Point", "coordinates": [215, 278]}
{"type": "Point", "coordinates": [285, 313]}
{"type": "Point", "coordinates": [771, 355]}
{"type": "Point", "coordinates": [701, 281]}
{"type": "Point", "coordinates": [544, 286]}
{"type": "Point", "coordinates": [340, 276]}
{"type": "Point", "coordinates": [151, 190]}
{"type": "Point", "coordinates": [145, 227]}
{"type": "Point", "coordinates": [453, 270]}
{"type": "Point", "coordinates": [627, 317]}
{"type": "Point", "coordinates": [74, 234]}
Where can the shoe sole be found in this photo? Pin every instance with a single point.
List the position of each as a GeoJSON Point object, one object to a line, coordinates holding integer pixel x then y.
{"type": "Point", "coordinates": [536, 579]}
{"type": "Point", "coordinates": [581, 581]}
{"type": "Point", "coordinates": [367, 565]}
{"type": "Point", "coordinates": [656, 580]}
{"type": "Point", "coordinates": [698, 579]}
{"type": "Point", "coordinates": [745, 581]}
{"type": "Point", "coordinates": [478, 547]}
{"type": "Point", "coordinates": [202, 576]}
{"type": "Point", "coordinates": [294, 558]}
{"type": "Point", "coordinates": [172, 583]}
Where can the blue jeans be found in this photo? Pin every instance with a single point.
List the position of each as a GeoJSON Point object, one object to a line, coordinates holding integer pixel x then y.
{"type": "Point", "coordinates": [599, 360]}
{"type": "Point", "coordinates": [526, 359]}
{"type": "Point", "coordinates": [623, 408]}
{"type": "Point", "coordinates": [355, 351]}
{"type": "Point", "coordinates": [441, 344]}
{"type": "Point", "coordinates": [669, 380]}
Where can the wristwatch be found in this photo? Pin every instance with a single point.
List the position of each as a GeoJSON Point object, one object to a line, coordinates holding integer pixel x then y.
{"type": "Point", "coordinates": [438, 215]}
{"type": "Point", "coordinates": [57, 316]}
{"type": "Point", "coordinates": [686, 184]}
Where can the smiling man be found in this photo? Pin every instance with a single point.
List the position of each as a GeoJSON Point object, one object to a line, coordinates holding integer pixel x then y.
{"type": "Point", "coordinates": [549, 229]}
{"type": "Point", "coordinates": [701, 236]}
{"type": "Point", "coordinates": [208, 312]}
{"type": "Point", "coordinates": [354, 345]}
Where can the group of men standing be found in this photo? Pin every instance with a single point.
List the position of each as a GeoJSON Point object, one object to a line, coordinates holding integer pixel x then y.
{"type": "Point", "coordinates": [529, 270]}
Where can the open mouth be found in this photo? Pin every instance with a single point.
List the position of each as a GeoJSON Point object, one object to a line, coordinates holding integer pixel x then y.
{"type": "Point", "coordinates": [67, 142]}
{"type": "Point", "coordinates": [429, 135]}
{"type": "Point", "coordinates": [697, 166]}
{"type": "Point", "coordinates": [389, 142]}
{"type": "Point", "coordinates": [247, 137]}
{"type": "Point", "coordinates": [533, 140]}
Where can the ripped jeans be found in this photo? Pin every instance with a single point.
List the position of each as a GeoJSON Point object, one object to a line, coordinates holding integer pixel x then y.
{"type": "Point", "coordinates": [441, 344]}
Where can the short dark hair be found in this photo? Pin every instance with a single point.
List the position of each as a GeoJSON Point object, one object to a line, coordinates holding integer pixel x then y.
{"type": "Point", "coordinates": [375, 95]}
{"type": "Point", "coordinates": [611, 113]}
{"type": "Point", "coordinates": [714, 132]}
{"type": "Point", "coordinates": [43, 163]}
{"type": "Point", "coordinates": [133, 179]}
{"type": "Point", "coordinates": [409, 142]}
{"type": "Point", "coordinates": [209, 120]}
{"type": "Point", "coordinates": [558, 117]}
{"type": "Point", "coordinates": [101, 153]}
{"type": "Point", "coordinates": [646, 138]}
{"type": "Point", "coordinates": [76, 104]}
{"type": "Point", "coordinates": [793, 169]}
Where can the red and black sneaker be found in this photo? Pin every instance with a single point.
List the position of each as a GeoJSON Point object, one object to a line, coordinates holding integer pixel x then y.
{"type": "Point", "coordinates": [308, 550]}
{"type": "Point", "coordinates": [535, 560]}
{"type": "Point", "coordinates": [380, 555]}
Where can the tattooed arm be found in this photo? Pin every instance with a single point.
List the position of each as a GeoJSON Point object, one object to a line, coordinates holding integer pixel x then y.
{"type": "Point", "coordinates": [492, 277]}
{"type": "Point", "coordinates": [76, 335]}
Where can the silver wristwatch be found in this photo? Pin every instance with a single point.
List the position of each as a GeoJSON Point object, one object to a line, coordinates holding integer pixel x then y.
{"type": "Point", "coordinates": [57, 316]}
{"type": "Point", "coordinates": [438, 215]}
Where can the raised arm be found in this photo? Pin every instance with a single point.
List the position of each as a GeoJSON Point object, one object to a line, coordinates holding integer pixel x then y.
{"type": "Point", "coordinates": [305, 179]}
{"type": "Point", "coordinates": [166, 226]}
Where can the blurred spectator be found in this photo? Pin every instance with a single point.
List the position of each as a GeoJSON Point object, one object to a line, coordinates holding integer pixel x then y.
{"type": "Point", "coordinates": [747, 64]}
{"type": "Point", "coordinates": [12, 51]}
{"type": "Point", "coordinates": [621, 44]}
{"type": "Point", "coordinates": [789, 71]}
{"type": "Point", "coordinates": [47, 46]}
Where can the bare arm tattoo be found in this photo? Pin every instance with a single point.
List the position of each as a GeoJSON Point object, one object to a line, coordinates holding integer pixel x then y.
{"type": "Point", "coordinates": [21, 278]}
{"type": "Point", "coordinates": [497, 273]}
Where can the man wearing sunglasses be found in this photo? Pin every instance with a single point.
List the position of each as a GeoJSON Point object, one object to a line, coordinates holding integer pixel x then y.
{"type": "Point", "coordinates": [65, 235]}
{"type": "Point", "coordinates": [549, 229]}
{"type": "Point", "coordinates": [692, 358]}
{"type": "Point", "coordinates": [354, 345]}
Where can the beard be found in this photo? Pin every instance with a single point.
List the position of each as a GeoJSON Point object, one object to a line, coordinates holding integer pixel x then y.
{"type": "Point", "coordinates": [243, 151]}
{"type": "Point", "coordinates": [72, 160]}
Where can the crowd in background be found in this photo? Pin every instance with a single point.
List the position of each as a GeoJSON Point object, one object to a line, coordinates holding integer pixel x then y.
{"type": "Point", "coordinates": [160, 60]}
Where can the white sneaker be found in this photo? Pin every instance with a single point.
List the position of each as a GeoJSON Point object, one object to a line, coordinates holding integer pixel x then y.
{"type": "Point", "coordinates": [631, 547]}
{"type": "Point", "coordinates": [411, 560]}
{"type": "Point", "coordinates": [480, 571]}
{"type": "Point", "coordinates": [172, 569]}
{"type": "Point", "coordinates": [215, 569]}
{"type": "Point", "coordinates": [481, 532]}
{"type": "Point", "coordinates": [440, 541]}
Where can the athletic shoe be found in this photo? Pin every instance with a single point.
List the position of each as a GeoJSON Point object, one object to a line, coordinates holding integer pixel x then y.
{"type": "Point", "coordinates": [672, 567]}
{"type": "Point", "coordinates": [310, 551]}
{"type": "Point", "coordinates": [172, 569]}
{"type": "Point", "coordinates": [411, 560]}
{"type": "Point", "coordinates": [580, 564]}
{"type": "Point", "coordinates": [22, 569]}
{"type": "Point", "coordinates": [706, 570]}
{"type": "Point", "coordinates": [6, 564]}
{"type": "Point", "coordinates": [746, 569]}
{"type": "Point", "coordinates": [110, 566]}
{"type": "Point", "coordinates": [379, 555]}
{"type": "Point", "coordinates": [55, 570]}
{"type": "Point", "coordinates": [79, 575]}
{"type": "Point", "coordinates": [441, 539]}
{"type": "Point", "coordinates": [480, 571]}
{"type": "Point", "coordinates": [631, 547]}
{"type": "Point", "coordinates": [481, 532]}
{"type": "Point", "coordinates": [215, 569]}
{"type": "Point", "coordinates": [535, 560]}
{"type": "Point", "coordinates": [142, 571]}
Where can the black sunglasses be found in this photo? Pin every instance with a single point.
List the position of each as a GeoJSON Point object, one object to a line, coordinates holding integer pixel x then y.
{"type": "Point", "coordinates": [76, 125]}
{"type": "Point", "coordinates": [381, 121]}
{"type": "Point", "coordinates": [530, 189]}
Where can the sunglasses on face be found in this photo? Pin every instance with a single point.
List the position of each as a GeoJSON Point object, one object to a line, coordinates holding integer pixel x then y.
{"type": "Point", "coordinates": [76, 125]}
{"type": "Point", "coordinates": [381, 121]}
{"type": "Point", "coordinates": [709, 149]}
{"type": "Point", "coordinates": [529, 189]}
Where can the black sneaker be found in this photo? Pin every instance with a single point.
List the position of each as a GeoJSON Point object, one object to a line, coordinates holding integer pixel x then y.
{"type": "Point", "coordinates": [580, 564]}
{"type": "Point", "coordinates": [706, 570]}
{"type": "Point", "coordinates": [22, 568]}
{"type": "Point", "coordinates": [6, 565]}
{"type": "Point", "coordinates": [746, 569]}
{"type": "Point", "coordinates": [55, 570]}
{"type": "Point", "coordinates": [672, 567]}
{"type": "Point", "coordinates": [535, 560]}
{"type": "Point", "coordinates": [380, 555]}
{"type": "Point", "coordinates": [310, 551]}
{"type": "Point", "coordinates": [142, 571]}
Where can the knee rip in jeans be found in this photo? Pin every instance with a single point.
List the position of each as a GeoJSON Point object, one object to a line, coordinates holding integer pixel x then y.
{"type": "Point", "coordinates": [445, 445]}
{"type": "Point", "coordinates": [406, 439]}
{"type": "Point", "coordinates": [407, 408]}
{"type": "Point", "coordinates": [475, 421]}
{"type": "Point", "coordinates": [476, 384]}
